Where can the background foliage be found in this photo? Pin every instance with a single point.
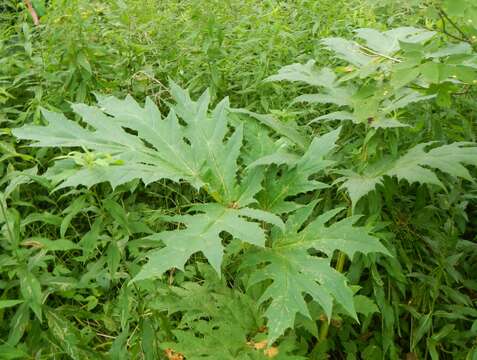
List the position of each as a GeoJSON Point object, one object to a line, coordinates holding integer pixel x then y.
{"type": "Point", "coordinates": [333, 218]}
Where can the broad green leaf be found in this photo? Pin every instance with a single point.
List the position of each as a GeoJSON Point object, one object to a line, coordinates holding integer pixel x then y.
{"type": "Point", "coordinates": [230, 331]}
{"type": "Point", "coordinates": [347, 50]}
{"type": "Point", "coordinates": [336, 115]}
{"type": "Point", "coordinates": [338, 96]}
{"type": "Point", "coordinates": [295, 273]}
{"type": "Point", "coordinates": [434, 72]}
{"type": "Point", "coordinates": [307, 73]}
{"type": "Point", "coordinates": [365, 305]}
{"type": "Point", "coordinates": [198, 151]}
{"type": "Point", "coordinates": [378, 45]}
{"type": "Point", "coordinates": [451, 49]}
{"type": "Point", "coordinates": [249, 187]}
{"type": "Point", "coordinates": [117, 156]}
{"type": "Point", "coordinates": [375, 104]}
{"type": "Point", "coordinates": [415, 166]}
{"type": "Point", "coordinates": [456, 7]}
{"type": "Point", "coordinates": [288, 130]}
{"type": "Point", "coordinates": [359, 185]}
{"type": "Point", "coordinates": [388, 42]}
{"type": "Point", "coordinates": [202, 233]}
{"type": "Point", "coordinates": [297, 179]}
{"type": "Point", "coordinates": [343, 236]}
{"type": "Point", "coordinates": [449, 159]}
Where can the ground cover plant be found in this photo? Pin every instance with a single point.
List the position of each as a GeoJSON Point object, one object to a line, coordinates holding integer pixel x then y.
{"type": "Point", "coordinates": [238, 180]}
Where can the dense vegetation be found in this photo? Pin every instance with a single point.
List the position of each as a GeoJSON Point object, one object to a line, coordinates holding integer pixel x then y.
{"type": "Point", "coordinates": [238, 179]}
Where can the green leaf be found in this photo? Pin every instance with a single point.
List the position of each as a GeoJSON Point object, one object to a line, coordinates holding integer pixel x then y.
{"type": "Point", "coordinates": [435, 73]}
{"type": "Point", "coordinates": [50, 245]}
{"type": "Point", "coordinates": [378, 45]}
{"type": "Point", "coordinates": [39, 6]}
{"type": "Point", "coordinates": [72, 210]}
{"type": "Point", "coordinates": [202, 233]}
{"type": "Point", "coordinates": [295, 272]}
{"type": "Point", "coordinates": [359, 185]}
{"type": "Point", "coordinates": [374, 104]}
{"type": "Point", "coordinates": [342, 236]}
{"type": "Point", "coordinates": [196, 152]}
{"type": "Point", "coordinates": [30, 289]}
{"type": "Point", "coordinates": [9, 352]}
{"type": "Point", "coordinates": [297, 179]}
{"type": "Point", "coordinates": [307, 73]}
{"type": "Point", "coordinates": [365, 305]}
{"type": "Point", "coordinates": [347, 50]}
{"type": "Point", "coordinates": [286, 129]}
{"type": "Point", "coordinates": [456, 7]}
{"type": "Point", "coordinates": [19, 324]}
{"type": "Point", "coordinates": [9, 303]}
{"type": "Point", "coordinates": [231, 328]}
{"type": "Point", "coordinates": [65, 334]}
{"type": "Point", "coordinates": [414, 167]}
{"type": "Point", "coordinates": [388, 42]}
{"type": "Point", "coordinates": [451, 49]}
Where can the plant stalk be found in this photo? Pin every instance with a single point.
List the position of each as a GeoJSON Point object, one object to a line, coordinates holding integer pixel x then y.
{"type": "Point", "coordinates": [325, 325]}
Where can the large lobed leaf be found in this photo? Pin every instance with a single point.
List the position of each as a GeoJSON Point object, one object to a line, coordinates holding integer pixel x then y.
{"type": "Point", "coordinates": [202, 233]}
{"type": "Point", "coordinates": [295, 273]}
{"type": "Point", "coordinates": [198, 151]}
{"type": "Point", "coordinates": [124, 141]}
{"type": "Point", "coordinates": [380, 106]}
{"type": "Point", "coordinates": [415, 166]}
{"type": "Point", "coordinates": [298, 176]}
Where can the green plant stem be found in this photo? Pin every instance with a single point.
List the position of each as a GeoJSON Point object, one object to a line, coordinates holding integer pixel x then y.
{"type": "Point", "coordinates": [325, 325]}
{"type": "Point", "coordinates": [445, 17]}
{"type": "Point", "coordinates": [340, 263]}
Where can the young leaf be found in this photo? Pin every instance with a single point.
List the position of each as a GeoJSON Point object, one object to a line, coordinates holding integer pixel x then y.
{"type": "Point", "coordinates": [297, 178]}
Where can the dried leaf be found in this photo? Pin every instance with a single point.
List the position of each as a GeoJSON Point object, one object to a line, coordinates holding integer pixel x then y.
{"type": "Point", "coordinates": [172, 355]}
{"type": "Point", "coordinates": [271, 352]}
{"type": "Point", "coordinates": [260, 345]}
